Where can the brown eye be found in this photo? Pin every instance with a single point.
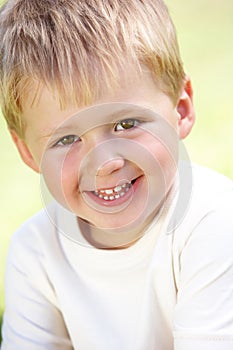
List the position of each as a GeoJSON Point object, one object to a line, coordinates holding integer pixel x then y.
{"type": "Point", "coordinates": [67, 140]}
{"type": "Point", "coordinates": [126, 124]}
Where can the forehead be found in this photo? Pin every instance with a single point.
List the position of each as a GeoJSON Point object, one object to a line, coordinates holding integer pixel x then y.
{"type": "Point", "coordinates": [43, 111]}
{"type": "Point", "coordinates": [35, 92]}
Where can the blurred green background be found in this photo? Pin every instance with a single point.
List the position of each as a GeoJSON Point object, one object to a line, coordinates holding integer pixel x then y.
{"type": "Point", "coordinates": [205, 33]}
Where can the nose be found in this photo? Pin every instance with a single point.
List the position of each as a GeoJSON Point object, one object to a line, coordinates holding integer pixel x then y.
{"type": "Point", "coordinates": [110, 166]}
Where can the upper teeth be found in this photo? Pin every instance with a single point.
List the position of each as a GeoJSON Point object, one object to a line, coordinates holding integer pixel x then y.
{"type": "Point", "coordinates": [113, 193]}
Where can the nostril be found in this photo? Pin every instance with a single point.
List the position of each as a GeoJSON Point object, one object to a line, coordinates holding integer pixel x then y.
{"type": "Point", "coordinates": [110, 166]}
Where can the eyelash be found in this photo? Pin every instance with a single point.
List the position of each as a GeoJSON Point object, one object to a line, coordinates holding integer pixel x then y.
{"type": "Point", "coordinates": [132, 123]}
{"type": "Point", "coordinates": [60, 143]}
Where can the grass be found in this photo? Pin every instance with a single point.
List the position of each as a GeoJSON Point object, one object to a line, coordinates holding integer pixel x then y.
{"type": "Point", "coordinates": [205, 29]}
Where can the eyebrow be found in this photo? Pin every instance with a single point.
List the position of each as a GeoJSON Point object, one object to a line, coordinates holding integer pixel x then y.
{"type": "Point", "coordinates": [129, 113]}
{"type": "Point", "coordinates": [56, 131]}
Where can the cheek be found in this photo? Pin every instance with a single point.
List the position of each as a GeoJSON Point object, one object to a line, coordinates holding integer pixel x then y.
{"type": "Point", "coordinates": [70, 173]}
{"type": "Point", "coordinates": [165, 154]}
{"type": "Point", "coordinates": [168, 162]}
{"type": "Point", "coordinates": [60, 173]}
{"type": "Point", "coordinates": [161, 139]}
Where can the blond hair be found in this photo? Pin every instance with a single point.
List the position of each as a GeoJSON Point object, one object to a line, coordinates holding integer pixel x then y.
{"type": "Point", "coordinates": [79, 47]}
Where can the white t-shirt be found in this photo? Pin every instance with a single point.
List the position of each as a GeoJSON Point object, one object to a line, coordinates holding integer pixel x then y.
{"type": "Point", "coordinates": [173, 289]}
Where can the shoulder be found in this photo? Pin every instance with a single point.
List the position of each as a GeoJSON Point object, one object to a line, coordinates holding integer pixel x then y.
{"type": "Point", "coordinates": [212, 196]}
{"type": "Point", "coordinates": [203, 260]}
{"type": "Point", "coordinates": [31, 241]}
{"type": "Point", "coordinates": [34, 228]}
{"type": "Point", "coordinates": [207, 203]}
{"type": "Point", "coordinates": [209, 191]}
{"type": "Point", "coordinates": [42, 239]}
{"type": "Point", "coordinates": [207, 182]}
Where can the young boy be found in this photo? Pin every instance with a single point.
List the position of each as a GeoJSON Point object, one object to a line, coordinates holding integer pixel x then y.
{"type": "Point", "coordinates": [135, 251]}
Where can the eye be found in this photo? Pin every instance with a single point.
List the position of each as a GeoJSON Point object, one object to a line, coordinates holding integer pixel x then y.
{"type": "Point", "coordinates": [126, 124]}
{"type": "Point", "coordinates": [67, 140]}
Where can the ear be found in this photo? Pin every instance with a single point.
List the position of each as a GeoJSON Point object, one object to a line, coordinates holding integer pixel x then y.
{"type": "Point", "coordinates": [24, 151]}
{"type": "Point", "coordinates": [186, 110]}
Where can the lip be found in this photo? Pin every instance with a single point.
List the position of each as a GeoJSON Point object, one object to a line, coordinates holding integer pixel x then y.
{"type": "Point", "coordinates": [118, 201]}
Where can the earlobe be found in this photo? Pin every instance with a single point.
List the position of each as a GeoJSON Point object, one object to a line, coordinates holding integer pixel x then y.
{"type": "Point", "coordinates": [186, 110]}
{"type": "Point", "coordinates": [24, 151]}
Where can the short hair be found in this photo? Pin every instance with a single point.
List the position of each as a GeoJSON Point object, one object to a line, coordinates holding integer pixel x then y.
{"type": "Point", "coordinates": [78, 48]}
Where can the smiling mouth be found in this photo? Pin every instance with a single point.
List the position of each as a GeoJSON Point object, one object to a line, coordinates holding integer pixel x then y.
{"type": "Point", "coordinates": [110, 194]}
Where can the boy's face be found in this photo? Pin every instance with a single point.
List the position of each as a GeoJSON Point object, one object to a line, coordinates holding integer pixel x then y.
{"type": "Point", "coordinates": [112, 163]}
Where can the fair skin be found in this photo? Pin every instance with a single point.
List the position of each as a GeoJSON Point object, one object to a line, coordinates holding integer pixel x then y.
{"type": "Point", "coordinates": [126, 140]}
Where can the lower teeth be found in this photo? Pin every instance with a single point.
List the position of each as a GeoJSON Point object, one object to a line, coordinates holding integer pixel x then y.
{"type": "Point", "coordinates": [111, 198]}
